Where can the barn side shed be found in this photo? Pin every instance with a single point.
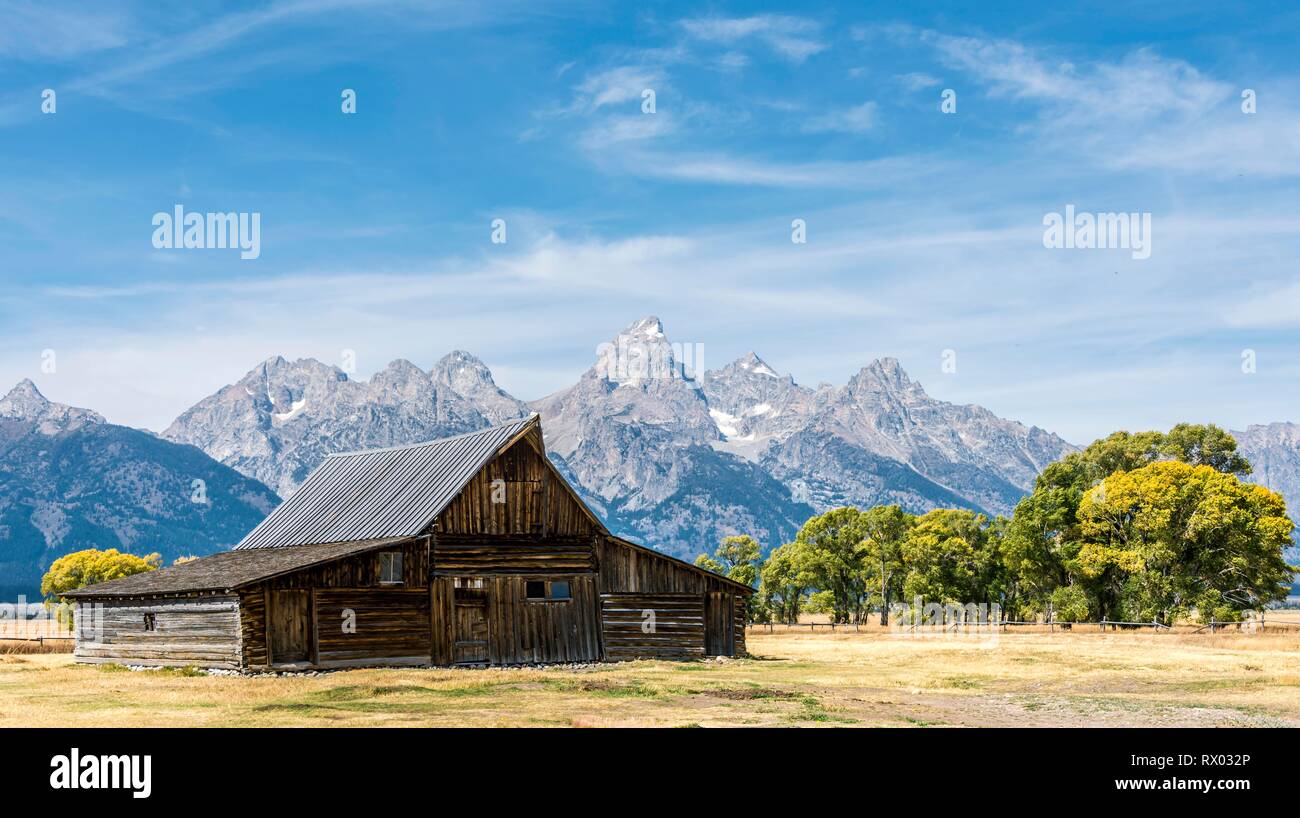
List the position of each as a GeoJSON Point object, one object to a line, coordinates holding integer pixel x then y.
{"type": "Point", "coordinates": [467, 550]}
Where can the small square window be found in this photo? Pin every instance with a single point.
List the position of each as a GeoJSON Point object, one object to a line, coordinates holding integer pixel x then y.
{"type": "Point", "coordinates": [560, 589]}
{"type": "Point", "coordinates": [534, 589]}
{"type": "Point", "coordinates": [390, 568]}
{"type": "Point", "coordinates": [151, 621]}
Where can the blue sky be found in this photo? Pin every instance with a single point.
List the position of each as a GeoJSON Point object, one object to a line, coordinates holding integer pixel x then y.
{"type": "Point", "coordinates": [924, 228]}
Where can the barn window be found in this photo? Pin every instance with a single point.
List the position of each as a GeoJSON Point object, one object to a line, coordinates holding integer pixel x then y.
{"type": "Point", "coordinates": [151, 621]}
{"type": "Point", "coordinates": [390, 568]}
{"type": "Point", "coordinates": [537, 590]}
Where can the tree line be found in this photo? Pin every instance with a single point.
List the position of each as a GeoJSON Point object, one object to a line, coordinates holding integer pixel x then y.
{"type": "Point", "coordinates": [1145, 527]}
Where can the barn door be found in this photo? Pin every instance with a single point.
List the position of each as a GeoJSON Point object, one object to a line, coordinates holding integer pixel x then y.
{"type": "Point", "coordinates": [719, 620]}
{"type": "Point", "coordinates": [471, 645]}
{"type": "Point", "coordinates": [289, 626]}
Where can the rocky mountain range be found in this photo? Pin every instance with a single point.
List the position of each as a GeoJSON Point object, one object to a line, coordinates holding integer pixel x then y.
{"type": "Point", "coordinates": [281, 419]}
{"type": "Point", "coordinates": [667, 456]}
{"type": "Point", "coordinates": [69, 480]}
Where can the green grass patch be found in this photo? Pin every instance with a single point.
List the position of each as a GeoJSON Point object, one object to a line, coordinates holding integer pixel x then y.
{"type": "Point", "coordinates": [602, 687]}
{"type": "Point", "coordinates": [814, 711]}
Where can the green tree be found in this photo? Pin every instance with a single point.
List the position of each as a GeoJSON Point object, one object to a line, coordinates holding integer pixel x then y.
{"type": "Point", "coordinates": [835, 554]}
{"type": "Point", "coordinates": [1206, 445]}
{"type": "Point", "coordinates": [710, 564]}
{"type": "Point", "coordinates": [1069, 604]}
{"type": "Point", "coordinates": [785, 580]}
{"type": "Point", "coordinates": [951, 555]}
{"type": "Point", "coordinates": [884, 529]}
{"type": "Point", "coordinates": [1169, 539]}
{"type": "Point", "coordinates": [1044, 535]}
{"type": "Point", "coordinates": [740, 557]}
{"type": "Point", "coordinates": [1041, 538]}
{"type": "Point", "coordinates": [92, 566]}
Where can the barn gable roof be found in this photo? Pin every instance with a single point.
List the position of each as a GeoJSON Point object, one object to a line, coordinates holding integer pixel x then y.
{"type": "Point", "coordinates": [394, 492]}
{"type": "Point", "coordinates": [228, 570]}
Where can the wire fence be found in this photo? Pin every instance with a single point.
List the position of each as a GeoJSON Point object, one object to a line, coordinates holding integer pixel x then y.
{"type": "Point", "coordinates": [1244, 626]}
{"type": "Point", "coordinates": [37, 624]}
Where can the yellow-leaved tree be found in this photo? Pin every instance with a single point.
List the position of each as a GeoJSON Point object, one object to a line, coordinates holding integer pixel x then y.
{"type": "Point", "coordinates": [1170, 539]}
{"type": "Point", "coordinates": [91, 566]}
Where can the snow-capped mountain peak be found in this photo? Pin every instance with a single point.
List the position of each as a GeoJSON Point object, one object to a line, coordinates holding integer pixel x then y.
{"type": "Point", "coordinates": [641, 354]}
{"type": "Point", "coordinates": [470, 378]}
{"type": "Point", "coordinates": [750, 362]}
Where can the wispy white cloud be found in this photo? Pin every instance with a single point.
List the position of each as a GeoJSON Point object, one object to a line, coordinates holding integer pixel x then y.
{"type": "Point", "coordinates": [60, 31]}
{"type": "Point", "coordinates": [749, 171]}
{"type": "Point", "coordinates": [617, 85]}
{"type": "Point", "coordinates": [794, 38]}
{"type": "Point", "coordinates": [917, 80]}
{"type": "Point", "coordinates": [1141, 87]}
{"type": "Point", "coordinates": [169, 56]}
{"type": "Point", "coordinates": [1142, 111]}
{"type": "Point", "coordinates": [1272, 306]}
{"type": "Point", "coordinates": [611, 132]}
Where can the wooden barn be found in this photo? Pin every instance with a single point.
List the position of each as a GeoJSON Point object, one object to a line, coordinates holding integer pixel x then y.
{"type": "Point", "coordinates": [468, 550]}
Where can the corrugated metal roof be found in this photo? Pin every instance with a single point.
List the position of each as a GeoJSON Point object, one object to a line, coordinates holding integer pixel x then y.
{"type": "Point", "coordinates": [228, 570]}
{"type": "Point", "coordinates": [394, 492]}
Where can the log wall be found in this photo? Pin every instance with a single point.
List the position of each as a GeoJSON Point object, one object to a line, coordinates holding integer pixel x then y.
{"type": "Point", "coordinates": [742, 619]}
{"type": "Point", "coordinates": [252, 626]}
{"type": "Point", "coordinates": [701, 613]}
{"type": "Point", "coordinates": [455, 555]}
{"type": "Point", "coordinates": [200, 630]}
{"type": "Point", "coordinates": [652, 626]}
{"type": "Point", "coordinates": [391, 627]}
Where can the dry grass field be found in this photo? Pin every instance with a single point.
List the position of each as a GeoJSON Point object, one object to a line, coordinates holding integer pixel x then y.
{"type": "Point", "coordinates": [793, 679]}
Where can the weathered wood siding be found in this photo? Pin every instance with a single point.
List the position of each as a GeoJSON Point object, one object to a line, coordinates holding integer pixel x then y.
{"type": "Point", "coordinates": [530, 499]}
{"type": "Point", "coordinates": [391, 626]}
{"type": "Point", "coordinates": [515, 521]}
{"type": "Point", "coordinates": [652, 626]}
{"type": "Point", "coordinates": [742, 619]}
{"type": "Point", "coordinates": [201, 630]}
{"type": "Point", "coordinates": [719, 620]}
{"type": "Point", "coordinates": [629, 569]}
{"type": "Point", "coordinates": [458, 555]}
{"type": "Point", "coordinates": [519, 630]}
{"type": "Point", "coordinates": [359, 575]}
{"type": "Point", "coordinates": [442, 594]}
{"type": "Point", "coordinates": [700, 613]}
{"type": "Point", "coordinates": [362, 570]}
{"type": "Point", "coordinates": [252, 626]}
